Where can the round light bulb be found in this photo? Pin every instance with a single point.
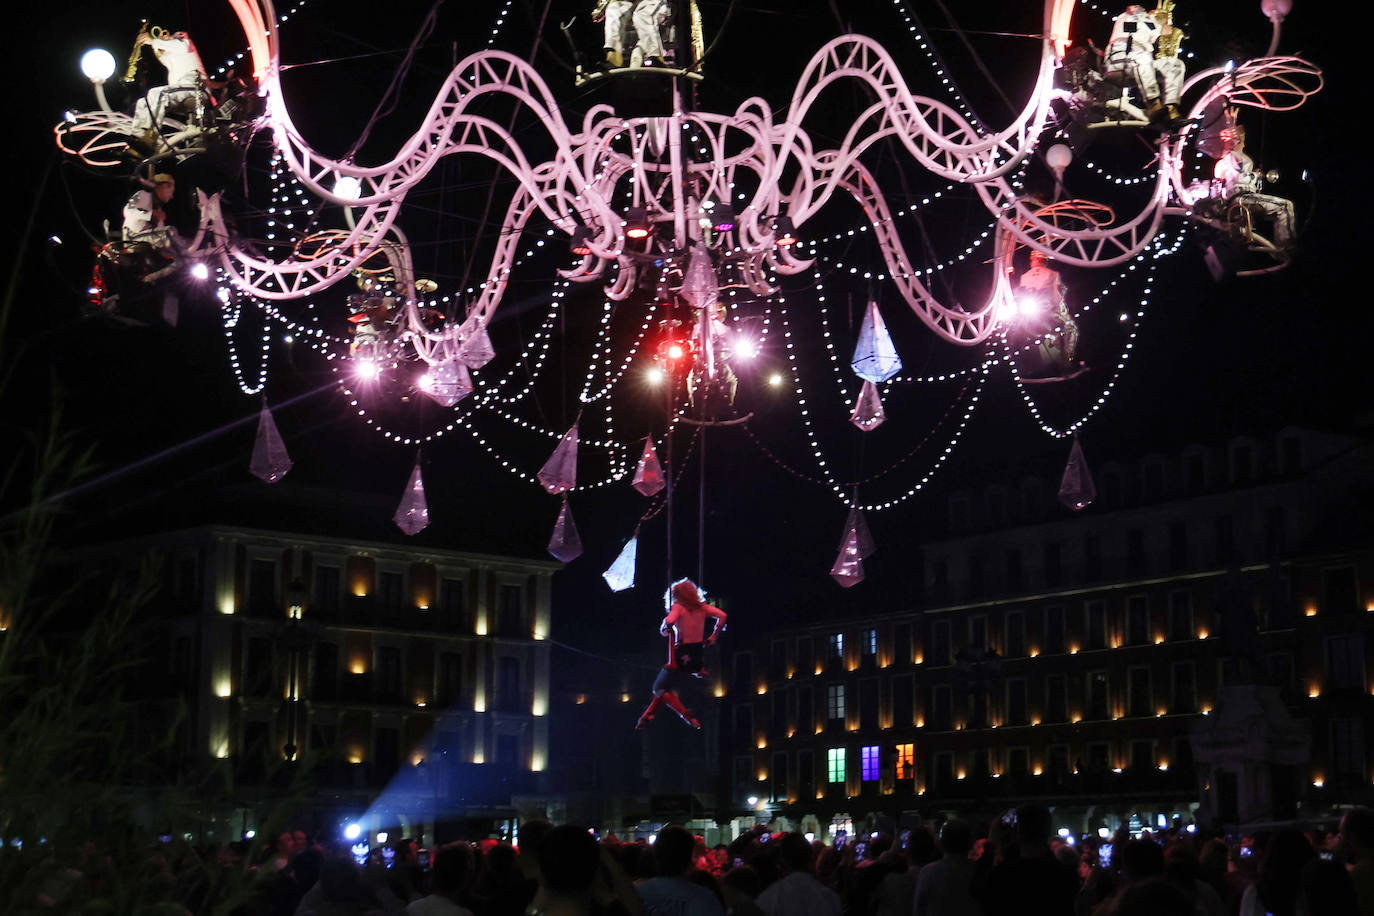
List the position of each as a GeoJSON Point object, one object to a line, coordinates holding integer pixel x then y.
{"type": "Point", "coordinates": [348, 188]}
{"type": "Point", "coordinates": [98, 65]}
{"type": "Point", "coordinates": [1058, 157]}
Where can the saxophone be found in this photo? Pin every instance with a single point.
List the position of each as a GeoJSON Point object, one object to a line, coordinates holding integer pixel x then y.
{"type": "Point", "coordinates": [1170, 35]}
{"type": "Point", "coordinates": [131, 70]}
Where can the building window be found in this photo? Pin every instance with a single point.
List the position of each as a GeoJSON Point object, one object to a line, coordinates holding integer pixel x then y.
{"type": "Point", "coordinates": [1283, 674]}
{"type": "Point", "coordinates": [1275, 539]}
{"type": "Point", "coordinates": [778, 700]}
{"type": "Point", "coordinates": [1142, 754]}
{"type": "Point", "coordinates": [868, 703]}
{"type": "Point", "coordinates": [327, 579]}
{"type": "Point", "coordinates": [870, 763]}
{"type": "Point", "coordinates": [744, 671]}
{"type": "Point", "coordinates": [1226, 540]}
{"type": "Point", "coordinates": [805, 660]}
{"type": "Point", "coordinates": [1347, 747]}
{"type": "Point", "coordinates": [806, 774]}
{"type": "Point", "coordinates": [834, 765]}
{"type": "Point", "coordinates": [453, 606]}
{"type": "Point", "coordinates": [510, 611]}
{"type": "Point", "coordinates": [744, 775]}
{"type": "Point", "coordinates": [1339, 591]}
{"type": "Point", "coordinates": [1100, 756]}
{"type": "Point", "coordinates": [509, 696]}
{"type": "Point", "coordinates": [389, 674]}
{"type": "Point", "coordinates": [1140, 699]}
{"type": "Point", "coordinates": [777, 663]}
{"type": "Point", "coordinates": [1054, 630]}
{"type": "Point", "coordinates": [1184, 690]}
{"type": "Point", "coordinates": [262, 587]}
{"type": "Point", "coordinates": [779, 776]}
{"type": "Point", "coordinates": [1018, 761]}
{"type": "Point", "coordinates": [260, 677]}
{"type": "Point", "coordinates": [450, 678]}
{"type": "Point", "coordinates": [1092, 557]}
{"type": "Point", "coordinates": [939, 644]}
{"type": "Point", "coordinates": [806, 716]}
{"type": "Point", "coordinates": [1017, 713]}
{"type": "Point", "coordinates": [1056, 698]}
{"type": "Point", "coordinates": [1178, 545]}
{"type": "Point", "coordinates": [1098, 701]}
{"type": "Point", "coordinates": [870, 644]}
{"type": "Point", "coordinates": [939, 579]}
{"type": "Point", "coordinates": [978, 631]}
{"type": "Point", "coordinates": [744, 724]}
{"type": "Point", "coordinates": [1345, 661]}
{"type": "Point", "coordinates": [942, 769]}
{"type": "Point", "coordinates": [1054, 565]}
{"type": "Point", "coordinates": [1015, 642]}
{"type": "Point", "coordinates": [390, 586]}
{"type": "Point", "coordinates": [901, 643]}
{"type": "Point", "coordinates": [1137, 620]}
{"type": "Point", "coordinates": [1135, 552]}
{"type": "Point", "coordinates": [906, 761]}
{"type": "Point", "coordinates": [326, 671]}
{"type": "Point", "coordinates": [1015, 578]}
{"type": "Point", "coordinates": [940, 711]}
{"type": "Point", "coordinates": [903, 709]}
{"type": "Point", "coordinates": [836, 646]}
{"type": "Point", "coordinates": [1095, 624]}
{"type": "Point", "coordinates": [1180, 614]}
{"type": "Point", "coordinates": [834, 702]}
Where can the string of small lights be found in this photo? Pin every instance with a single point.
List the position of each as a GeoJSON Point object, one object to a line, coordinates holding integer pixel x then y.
{"type": "Point", "coordinates": [282, 19]}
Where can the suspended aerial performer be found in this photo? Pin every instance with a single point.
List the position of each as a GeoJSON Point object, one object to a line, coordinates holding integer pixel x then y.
{"type": "Point", "coordinates": [685, 627]}
{"type": "Point", "coordinates": [1132, 59]}
{"type": "Point", "coordinates": [1059, 337]}
{"type": "Point", "coordinates": [1239, 183]}
{"type": "Point", "coordinates": [615, 13]}
{"type": "Point", "coordinates": [144, 219]}
{"type": "Point", "coordinates": [650, 17]}
{"type": "Point", "coordinates": [185, 88]}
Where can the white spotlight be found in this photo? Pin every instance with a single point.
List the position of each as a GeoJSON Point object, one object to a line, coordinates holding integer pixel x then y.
{"type": "Point", "coordinates": [98, 65]}
{"type": "Point", "coordinates": [353, 831]}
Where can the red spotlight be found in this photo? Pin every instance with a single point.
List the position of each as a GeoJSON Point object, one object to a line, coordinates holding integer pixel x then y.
{"type": "Point", "coordinates": [636, 223]}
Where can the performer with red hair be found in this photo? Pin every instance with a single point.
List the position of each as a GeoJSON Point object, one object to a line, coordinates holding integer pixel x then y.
{"type": "Point", "coordinates": [685, 627]}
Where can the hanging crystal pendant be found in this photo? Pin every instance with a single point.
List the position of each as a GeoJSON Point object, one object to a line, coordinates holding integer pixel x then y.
{"type": "Point", "coordinates": [566, 543]}
{"type": "Point", "coordinates": [270, 461]}
{"type": "Point", "coordinates": [875, 356]}
{"type": "Point", "coordinates": [857, 525]}
{"type": "Point", "coordinates": [412, 515]}
{"type": "Point", "coordinates": [848, 570]}
{"type": "Point", "coordinates": [476, 350]}
{"type": "Point", "coordinates": [621, 575]}
{"type": "Point", "coordinates": [449, 382]}
{"type": "Point", "coordinates": [1076, 489]}
{"type": "Point", "coordinates": [701, 284]}
{"type": "Point", "coordinates": [559, 473]}
{"type": "Point", "coordinates": [649, 474]}
{"type": "Point", "coordinates": [868, 408]}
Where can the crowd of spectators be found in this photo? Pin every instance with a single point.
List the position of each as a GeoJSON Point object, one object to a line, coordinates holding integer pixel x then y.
{"type": "Point", "coordinates": [1017, 866]}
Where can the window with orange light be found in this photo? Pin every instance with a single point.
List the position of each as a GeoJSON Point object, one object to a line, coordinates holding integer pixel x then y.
{"type": "Point", "coordinates": [906, 761]}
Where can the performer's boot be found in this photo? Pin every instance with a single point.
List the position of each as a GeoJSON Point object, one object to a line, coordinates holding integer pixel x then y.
{"type": "Point", "coordinates": [671, 700]}
{"type": "Point", "coordinates": [648, 714]}
{"type": "Point", "coordinates": [1156, 112]}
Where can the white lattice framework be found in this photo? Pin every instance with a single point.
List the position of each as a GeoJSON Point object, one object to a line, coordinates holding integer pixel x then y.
{"type": "Point", "coordinates": [608, 161]}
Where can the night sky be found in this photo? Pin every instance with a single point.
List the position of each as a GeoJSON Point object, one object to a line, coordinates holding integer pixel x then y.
{"type": "Point", "coordinates": [1210, 361]}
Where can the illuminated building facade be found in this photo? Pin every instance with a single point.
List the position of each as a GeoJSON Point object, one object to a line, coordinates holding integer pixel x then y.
{"type": "Point", "coordinates": [415, 681]}
{"type": "Point", "coordinates": [1074, 658]}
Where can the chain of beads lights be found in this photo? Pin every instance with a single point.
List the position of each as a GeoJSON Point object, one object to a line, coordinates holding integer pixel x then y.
{"type": "Point", "coordinates": [840, 488]}
{"type": "Point", "coordinates": [602, 354]}
{"type": "Point", "coordinates": [1160, 250]}
{"type": "Point", "coordinates": [1100, 172]}
{"type": "Point", "coordinates": [904, 211]}
{"type": "Point", "coordinates": [936, 63]}
{"type": "Point", "coordinates": [231, 311]}
{"type": "Point", "coordinates": [500, 21]}
{"type": "Point", "coordinates": [281, 20]}
{"type": "Point", "coordinates": [879, 275]}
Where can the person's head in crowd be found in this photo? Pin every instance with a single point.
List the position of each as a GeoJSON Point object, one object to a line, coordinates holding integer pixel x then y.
{"type": "Point", "coordinates": [1139, 860]}
{"type": "Point", "coordinates": [878, 845]}
{"type": "Point", "coordinates": [532, 834]}
{"type": "Point", "coordinates": [451, 869]}
{"type": "Point", "coordinates": [740, 883]}
{"type": "Point", "coordinates": [502, 863]}
{"type": "Point", "coordinates": [920, 848]}
{"type": "Point", "coordinates": [568, 860]}
{"type": "Point", "coordinates": [646, 865]}
{"type": "Point", "coordinates": [1151, 897]}
{"type": "Point", "coordinates": [300, 841]}
{"type": "Point", "coordinates": [341, 880]}
{"type": "Point", "coordinates": [1211, 861]}
{"type": "Point", "coordinates": [1326, 889]}
{"type": "Point", "coordinates": [1356, 842]}
{"type": "Point", "coordinates": [794, 853]}
{"type": "Point", "coordinates": [1067, 856]}
{"type": "Point", "coordinates": [673, 851]}
{"type": "Point", "coordinates": [956, 838]}
{"type": "Point", "coordinates": [1033, 826]}
{"type": "Point", "coordinates": [1280, 871]}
